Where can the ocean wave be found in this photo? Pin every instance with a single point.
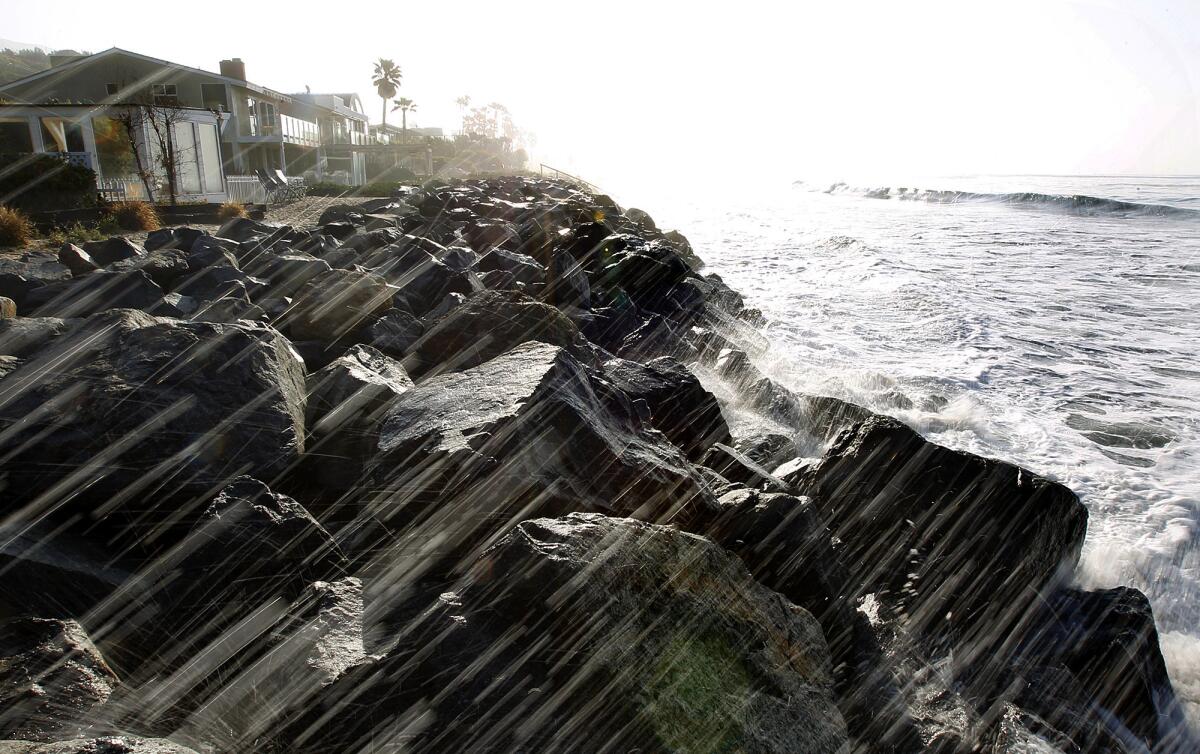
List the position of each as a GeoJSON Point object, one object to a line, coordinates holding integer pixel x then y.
{"type": "Point", "coordinates": [1076, 203]}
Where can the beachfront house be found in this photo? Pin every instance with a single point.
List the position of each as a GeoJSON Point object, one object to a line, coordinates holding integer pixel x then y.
{"type": "Point", "coordinates": [69, 109]}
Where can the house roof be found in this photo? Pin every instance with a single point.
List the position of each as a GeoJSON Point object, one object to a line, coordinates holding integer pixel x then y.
{"type": "Point", "coordinates": [112, 51]}
{"type": "Point", "coordinates": [313, 98]}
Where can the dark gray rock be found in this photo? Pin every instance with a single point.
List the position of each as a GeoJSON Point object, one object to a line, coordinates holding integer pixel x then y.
{"type": "Point", "coordinates": [103, 745]}
{"type": "Point", "coordinates": [590, 633]}
{"type": "Point", "coordinates": [526, 433]}
{"type": "Point", "coordinates": [51, 678]}
{"type": "Point", "coordinates": [338, 303]}
{"type": "Point", "coordinates": [488, 325]}
{"type": "Point", "coordinates": [394, 332]}
{"type": "Point", "coordinates": [78, 261]}
{"type": "Point", "coordinates": [172, 238]}
{"type": "Point", "coordinates": [113, 250]}
{"type": "Point", "coordinates": [346, 403]}
{"type": "Point", "coordinates": [287, 273]}
{"type": "Point", "coordinates": [122, 404]}
{"type": "Point", "coordinates": [164, 267]}
{"type": "Point", "coordinates": [680, 407]}
{"type": "Point", "coordinates": [95, 292]}
{"type": "Point", "coordinates": [523, 268]}
{"type": "Point", "coordinates": [957, 543]}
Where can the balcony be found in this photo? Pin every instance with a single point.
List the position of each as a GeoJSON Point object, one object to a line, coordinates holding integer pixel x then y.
{"type": "Point", "coordinates": [341, 136]}
{"type": "Point", "coordinates": [288, 129]}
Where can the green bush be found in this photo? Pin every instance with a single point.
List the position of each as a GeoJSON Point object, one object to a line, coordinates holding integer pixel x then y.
{"type": "Point", "coordinates": [45, 182]}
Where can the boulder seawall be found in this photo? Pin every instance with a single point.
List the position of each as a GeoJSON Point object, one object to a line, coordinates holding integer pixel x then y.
{"type": "Point", "coordinates": [446, 472]}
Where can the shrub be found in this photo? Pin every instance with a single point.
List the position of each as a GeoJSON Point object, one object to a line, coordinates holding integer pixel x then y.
{"type": "Point", "coordinates": [45, 182]}
{"type": "Point", "coordinates": [15, 227]}
{"type": "Point", "coordinates": [133, 216]}
{"type": "Point", "coordinates": [79, 233]}
{"type": "Point", "coordinates": [230, 210]}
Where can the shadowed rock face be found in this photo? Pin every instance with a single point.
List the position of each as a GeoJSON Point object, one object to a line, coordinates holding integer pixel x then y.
{"type": "Point", "coordinates": [488, 325]}
{"type": "Point", "coordinates": [680, 407]}
{"type": "Point", "coordinates": [958, 543]}
{"type": "Point", "coordinates": [618, 635]}
{"type": "Point", "coordinates": [103, 745]}
{"type": "Point", "coordinates": [51, 678]}
{"type": "Point", "coordinates": [123, 407]}
{"type": "Point", "coordinates": [528, 432]}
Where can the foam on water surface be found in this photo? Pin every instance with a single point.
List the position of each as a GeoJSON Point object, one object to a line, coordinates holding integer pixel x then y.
{"type": "Point", "coordinates": [1063, 341]}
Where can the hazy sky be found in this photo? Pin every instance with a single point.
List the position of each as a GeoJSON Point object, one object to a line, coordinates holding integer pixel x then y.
{"type": "Point", "coordinates": [625, 91]}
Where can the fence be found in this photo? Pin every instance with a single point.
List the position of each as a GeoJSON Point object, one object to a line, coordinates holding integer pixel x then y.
{"type": "Point", "coordinates": [121, 189]}
{"type": "Point", "coordinates": [543, 168]}
{"type": "Point", "coordinates": [245, 189]}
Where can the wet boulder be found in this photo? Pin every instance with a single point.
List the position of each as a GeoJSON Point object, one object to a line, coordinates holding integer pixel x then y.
{"type": "Point", "coordinates": [164, 267]}
{"type": "Point", "coordinates": [115, 249]}
{"type": "Point", "coordinates": [130, 406]}
{"type": "Point", "coordinates": [53, 573]}
{"type": "Point", "coordinates": [95, 292]}
{"type": "Point", "coordinates": [567, 285]}
{"type": "Point", "coordinates": [1089, 666]}
{"type": "Point", "coordinates": [588, 633]}
{"type": "Point", "coordinates": [957, 543]}
{"type": "Point", "coordinates": [487, 325]}
{"type": "Point", "coordinates": [172, 238]}
{"type": "Point", "coordinates": [338, 303]}
{"type": "Point", "coordinates": [737, 467]}
{"type": "Point", "coordinates": [102, 745]}
{"type": "Point", "coordinates": [282, 670]}
{"type": "Point", "coordinates": [287, 273]}
{"type": "Point", "coordinates": [529, 432]}
{"type": "Point", "coordinates": [8, 308]}
{"type": "Point", "coordinates": [680, 407]}
{"type": "Point", "coordinates": [75, 259]}
{"type": "Point", "coordinates": [51, 678]}
{"type": "Point", "coordinates": [523, 268]}
{"type": "Point", "coordinates": [394, 332]}
{"type": "Point", "coordinates": [783, 543]}
{"type": "Point", "coordinates": [346, 402]}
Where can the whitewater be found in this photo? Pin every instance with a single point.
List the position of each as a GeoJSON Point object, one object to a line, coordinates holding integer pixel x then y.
{"type": "Point", "coordinates": [1053, 322]}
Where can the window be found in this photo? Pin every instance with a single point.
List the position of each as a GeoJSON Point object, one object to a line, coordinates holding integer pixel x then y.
{"type": "Point", "coordinates": [14, 136]}
{"type": "Point", "coordinates": [214, 97]}
{"type": "Point", "coordinates": [61, 135]}
{"type": "Point", "coordinates": [210, 157]}
{"type": "Point", "coordinates": [112, 148]}
{"type": "Point", "coordinates": [186, 164]}
{"type": "Point", "coordinates": [111, 89]}
{"type": "Point", "coordinates": [266, 114]}
{"type": "Point", "coordinates": [163, 90]}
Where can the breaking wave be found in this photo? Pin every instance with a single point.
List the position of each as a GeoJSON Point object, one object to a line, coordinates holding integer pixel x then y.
{"type": "Point", "coordinates": [1074, 203]}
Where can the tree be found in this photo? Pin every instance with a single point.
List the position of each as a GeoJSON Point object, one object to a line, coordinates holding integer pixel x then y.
{"type": "Point", "coordinates": [405, 106]}
{"type": "Point", "coordinates": [463, 103]}
{"type": "Point", "coordinates": [155, 120]}
{"type": "Point", "coordinates": [386, 82]}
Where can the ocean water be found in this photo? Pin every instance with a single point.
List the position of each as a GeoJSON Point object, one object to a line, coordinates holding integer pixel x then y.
{"type": "Point", "coordinates": [1049, 321]}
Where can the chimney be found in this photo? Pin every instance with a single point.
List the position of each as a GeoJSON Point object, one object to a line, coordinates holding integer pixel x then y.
{"type": "Point", "coordinates": [234, 69]}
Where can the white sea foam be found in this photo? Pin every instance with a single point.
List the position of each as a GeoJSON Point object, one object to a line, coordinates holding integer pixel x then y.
{"type": "Point", "coordinates": [1066, 342]}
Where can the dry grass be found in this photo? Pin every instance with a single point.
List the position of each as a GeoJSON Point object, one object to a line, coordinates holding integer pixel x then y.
{"type": "Point", "coordinates": [15, 227]}
{"type": "Point", "coordinates": [230, 210]}
{"type": "Point", "coordinates": [135, 216]}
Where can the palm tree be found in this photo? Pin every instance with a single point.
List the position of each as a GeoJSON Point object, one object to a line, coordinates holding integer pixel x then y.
{"type": "Point", "coordinates": [386, 82]}
{"type": "Point", "coordinates": [405, 106]}
{"type": "Point", "coordinates": [463, 103]}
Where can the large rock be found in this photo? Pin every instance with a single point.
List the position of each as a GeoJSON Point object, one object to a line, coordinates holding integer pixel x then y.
{"type": "Point", "coordinates": [592, 634]}
{"type": "Point", "coordinates": [248, 556]}
{"type": "Point", "coordinates": [51, 678]}
{"type": "Point", "coordinates": [95, 292]}
{"type": "Point", "coordinates": [102, 745]}
{"type": "Point", "coordinates": [957, 543]}
{"type": "Point", "coordinates": [488, 325]}
{"type": "Point", "coordinates": [124, 407]}
{"type": "Point", "coordinates": [346, 403]}
{"type": "Point", "coordinates": [278, 674]}
{"type": "Point", "coordinates": [78, 261]}
{"type": "Point", "coordinates": [112, 250]}
{"type": "Point", "coordinates": [782, 541]}
{"type": "Point", "coordinates": [52, 573]}
{"type": "Point", "coordinates": [337, 303]}
{"type": "Point", "coordinates": [680, 407]}
{"type": "Point", "coordinates": [1089, 666]}
{"type": "Point", "coordinates": [527, 433]}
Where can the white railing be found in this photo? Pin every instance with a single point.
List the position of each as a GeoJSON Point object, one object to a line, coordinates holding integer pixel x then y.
{"type": "Point", "coordinates": [297, 131]}
{"type": "Point", "coordinates": [246, 189]}
{"type": "Point", "coordinates": [122, 189]}
{"type": "Point", "coordinates": [79, 159]}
